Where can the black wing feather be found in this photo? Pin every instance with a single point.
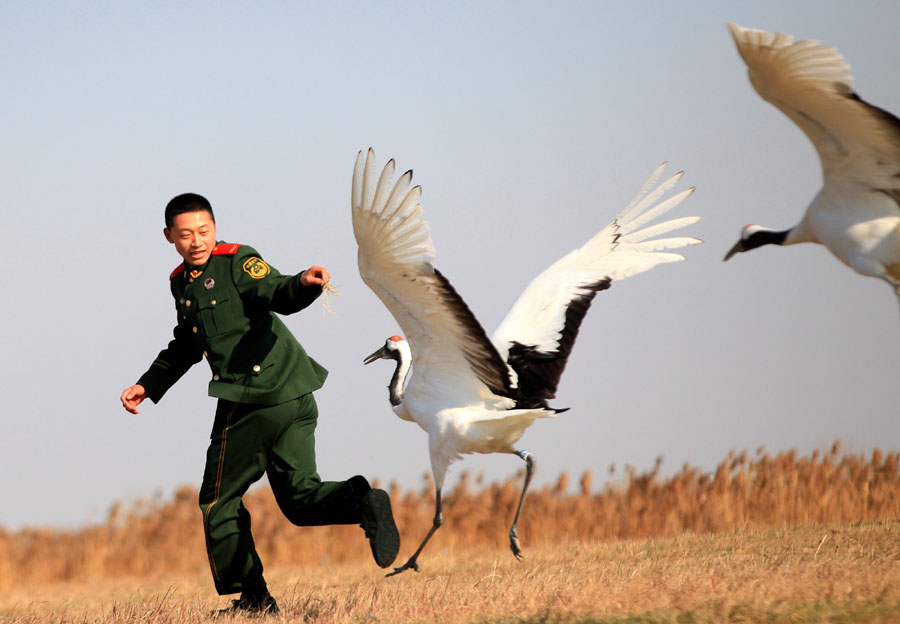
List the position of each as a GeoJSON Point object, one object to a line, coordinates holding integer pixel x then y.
{"type": "Point", "coordinates": [539, 371]}
{"type": "Point", "coordinates": [479, 351]}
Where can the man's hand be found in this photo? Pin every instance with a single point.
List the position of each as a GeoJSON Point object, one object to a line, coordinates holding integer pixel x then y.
{"type": "Point", "coordinates": [315, 276]}
{"type": "Point", "coordinates": [132, 397]}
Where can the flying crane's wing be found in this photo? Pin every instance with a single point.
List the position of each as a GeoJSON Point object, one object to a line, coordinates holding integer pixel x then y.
{"type": "Point", "coordinates": [537, 334]}
{"type": "Point", "coordinates": [858, 144]}
{"type": "Point", "coordinates": [449, 346]}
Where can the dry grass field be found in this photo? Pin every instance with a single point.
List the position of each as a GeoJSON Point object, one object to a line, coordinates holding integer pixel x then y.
{"type": "Point", "coordinates": [763, 539]}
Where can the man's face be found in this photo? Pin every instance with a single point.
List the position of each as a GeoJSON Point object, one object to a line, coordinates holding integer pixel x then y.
{"type": "Point", "coordinates": [194, 236]}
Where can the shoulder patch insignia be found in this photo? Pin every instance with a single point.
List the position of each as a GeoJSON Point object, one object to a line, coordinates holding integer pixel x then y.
{"type": "Point", "coordinates": [177, 270]}
{"type": "Point", "coordinates": [255, 267]}
{"type": "Point", "coordinates": [226, 249]}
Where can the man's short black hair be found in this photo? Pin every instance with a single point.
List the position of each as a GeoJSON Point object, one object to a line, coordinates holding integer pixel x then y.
{"type": "Point", "coordinates": [187, 202]}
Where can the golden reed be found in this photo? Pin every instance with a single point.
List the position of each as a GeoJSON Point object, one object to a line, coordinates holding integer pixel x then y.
{"type": "Point", "coordinates": [155, 539]}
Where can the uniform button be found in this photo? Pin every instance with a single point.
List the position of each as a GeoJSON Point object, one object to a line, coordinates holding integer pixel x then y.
{"type": "Point", "coordinates": [213, 302]}
{"type": "Point", "coordinates": [215, 378]}
{"type": "Point", "coordinates": [181, 300]}
{"type": "Point", "coordinates": [188, 303]}
{"type": "Point", "coordinates": [195, 330]}
{"type": "Point", "coordinates": [191, 279]}
{"type": "Point", "coordinates": [256, 368]}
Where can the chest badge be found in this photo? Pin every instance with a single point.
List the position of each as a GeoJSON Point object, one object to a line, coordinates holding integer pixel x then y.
{"type": "Point", "coordinates": [209, 283]}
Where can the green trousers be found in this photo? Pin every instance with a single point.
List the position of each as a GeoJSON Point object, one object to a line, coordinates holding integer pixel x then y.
{"type": "Point", "coordinates": [247, 441]}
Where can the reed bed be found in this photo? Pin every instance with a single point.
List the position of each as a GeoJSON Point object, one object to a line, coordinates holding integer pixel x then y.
{"type": "Point", "coordinates": [156, 540]}
{"type": "Point", "coordinates": [839, 573]}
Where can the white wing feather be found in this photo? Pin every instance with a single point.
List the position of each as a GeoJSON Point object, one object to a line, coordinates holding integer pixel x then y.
{"type": "Point", "coordinates": [619, 250]}
{"type": "Point", "coordinates": [811, 84]}
{"type": "Point", "coordinates": [449, 348]}
{"type": "Point", "coordinates": [394, 257]}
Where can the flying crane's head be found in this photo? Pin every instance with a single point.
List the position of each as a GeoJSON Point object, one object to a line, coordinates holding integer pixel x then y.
{"type": "Point", "coordinates": [753, 236]}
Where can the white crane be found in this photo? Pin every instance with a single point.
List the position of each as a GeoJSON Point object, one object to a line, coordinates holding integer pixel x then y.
{"type": "Point", "coordinates": [856, 214]}
{"type": "Point", "coordinates": [472, 394]}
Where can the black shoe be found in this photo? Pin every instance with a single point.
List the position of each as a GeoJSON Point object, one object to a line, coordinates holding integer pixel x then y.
{"type": "Point", "coordinates": [251, 606]}
{"type": "Point", "coordinates": [378, 522]}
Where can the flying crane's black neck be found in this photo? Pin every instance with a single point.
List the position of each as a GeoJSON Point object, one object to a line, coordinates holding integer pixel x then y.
{"type": "Point", "coordinates": [766, 237]}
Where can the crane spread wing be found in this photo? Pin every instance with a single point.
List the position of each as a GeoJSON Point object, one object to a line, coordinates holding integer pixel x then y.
{"type": "Point", "coordinates": [395, 260]}
{"type": "Point", "coordinates": [537, 334]}
{"type": "Point", "coordinates": [811, 83]}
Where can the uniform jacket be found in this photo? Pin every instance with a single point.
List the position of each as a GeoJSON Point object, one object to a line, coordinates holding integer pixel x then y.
{"type": "Point", "coordinates": [226, 314]}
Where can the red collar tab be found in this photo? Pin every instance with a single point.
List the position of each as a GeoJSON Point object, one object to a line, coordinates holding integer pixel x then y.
{"type": "Point", "coordinates": [177, 270]}
{"type": "Point", "coordinates": [226, 249]}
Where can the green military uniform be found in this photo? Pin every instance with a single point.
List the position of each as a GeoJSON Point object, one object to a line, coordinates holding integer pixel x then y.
{"type": "Point", "coordinates": [266, 415]}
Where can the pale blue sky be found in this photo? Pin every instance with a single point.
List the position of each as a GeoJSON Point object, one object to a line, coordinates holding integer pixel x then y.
{"type": "Point", "coordinates": [529, 125]}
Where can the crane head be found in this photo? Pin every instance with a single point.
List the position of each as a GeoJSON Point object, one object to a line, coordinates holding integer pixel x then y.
{"type": "Point", "coordinates": [395, 348]}
{"type": "Point", "coordinates": [748, 239]}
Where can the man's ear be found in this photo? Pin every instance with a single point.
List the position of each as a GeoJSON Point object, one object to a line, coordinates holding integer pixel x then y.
{"type": "Point", "coordinates": [168, 235]}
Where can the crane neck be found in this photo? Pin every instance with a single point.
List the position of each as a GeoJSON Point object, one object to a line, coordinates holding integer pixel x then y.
{"type": "Point", "coordinates": [770, 237]}
{"type": "Point", "coordinates": [399, 377]}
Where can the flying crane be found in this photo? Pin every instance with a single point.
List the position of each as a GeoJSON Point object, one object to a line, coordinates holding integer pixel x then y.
{"type": "Point", "coordinates": [856, 214]}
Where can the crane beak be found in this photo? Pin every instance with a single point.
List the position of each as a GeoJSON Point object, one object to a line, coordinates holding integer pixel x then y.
{"type": "Point", "coordinates": [378, 355]}
{"type": "Point", "coordinates": [738, 247]}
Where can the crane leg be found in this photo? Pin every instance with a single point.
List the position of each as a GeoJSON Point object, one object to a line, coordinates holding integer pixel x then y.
{"type": "Point", "coordinates": [435, 525]}
{"type": "Point", "coordinates": [514, 530]}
